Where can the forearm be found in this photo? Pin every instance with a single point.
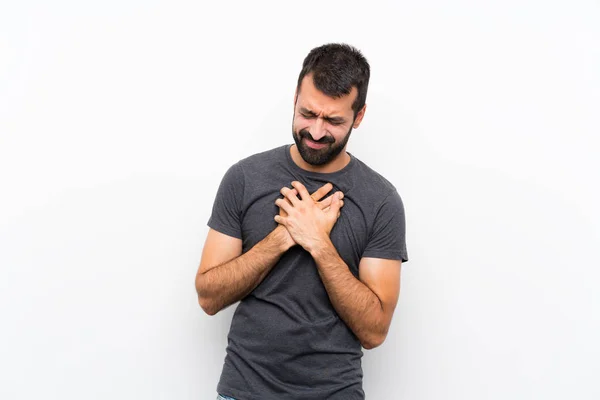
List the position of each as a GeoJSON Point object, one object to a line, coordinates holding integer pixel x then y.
{"type": "Point", "coordinates": [355, 303]}
{"type": "Point", "coordinates": [229, 282]}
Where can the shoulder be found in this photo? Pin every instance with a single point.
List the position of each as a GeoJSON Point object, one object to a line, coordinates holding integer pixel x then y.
{"type": "Point", "coordinates": [262, 159]}
{"type": "Point", "coordinates": [254, 163]}
{"type": "Point", "coordinates": [373, 180]}
{"type": "Point", "coordinates": [242, 175]}
{"type": "Point", "coordinates": [379, 193]}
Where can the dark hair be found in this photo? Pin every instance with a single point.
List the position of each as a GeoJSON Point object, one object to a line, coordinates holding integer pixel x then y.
{"type": "Point", "coordinates": [336, 68]}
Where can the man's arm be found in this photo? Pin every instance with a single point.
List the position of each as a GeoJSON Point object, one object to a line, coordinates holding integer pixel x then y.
{"type": "Point", "coordinates": [226, 275]}
{"type": "Point", "coordinates": [365, 305]}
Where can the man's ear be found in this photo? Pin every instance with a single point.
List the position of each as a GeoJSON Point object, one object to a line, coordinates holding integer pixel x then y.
{"type": "Point", "coordinates": [359, 117]}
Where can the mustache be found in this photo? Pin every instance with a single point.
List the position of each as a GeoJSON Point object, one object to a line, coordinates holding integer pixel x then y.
{"type": "Point", "coordinates": [304, 134]}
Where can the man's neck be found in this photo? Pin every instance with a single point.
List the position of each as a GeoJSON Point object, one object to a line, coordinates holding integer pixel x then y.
{"type": "Point", "coordinates": [333, 166]}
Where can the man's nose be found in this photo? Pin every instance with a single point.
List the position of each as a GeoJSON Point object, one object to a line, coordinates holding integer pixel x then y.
{"type": "Point", "coordinates": [318, 129]}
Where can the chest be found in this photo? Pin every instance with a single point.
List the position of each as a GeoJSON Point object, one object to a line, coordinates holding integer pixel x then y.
{"type": "Point", "coordinates": [349, 235]}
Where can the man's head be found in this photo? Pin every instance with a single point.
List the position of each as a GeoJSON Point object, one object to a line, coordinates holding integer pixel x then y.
{"type": "Point", "coordinates": [329, 101]}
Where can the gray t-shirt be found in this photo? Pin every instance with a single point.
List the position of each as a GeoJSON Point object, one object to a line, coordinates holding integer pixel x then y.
{"type": "Point", "coordinates": [286, 340]}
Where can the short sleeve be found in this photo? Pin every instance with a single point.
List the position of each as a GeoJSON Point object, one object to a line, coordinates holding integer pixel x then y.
{"type": "Point", "coordinates": [388, 236]}
{"type": "Point", "coordinates": [226, 211]}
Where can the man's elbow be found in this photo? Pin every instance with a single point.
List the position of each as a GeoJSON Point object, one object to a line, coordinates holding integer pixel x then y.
{"type": "Point", "coordinates": [207, 306]}
{"type": "Point", "coordinates": [372, 341]}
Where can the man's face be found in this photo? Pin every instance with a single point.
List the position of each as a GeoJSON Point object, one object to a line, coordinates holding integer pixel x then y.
{"type": "Point", "coordinates": [322, 124]}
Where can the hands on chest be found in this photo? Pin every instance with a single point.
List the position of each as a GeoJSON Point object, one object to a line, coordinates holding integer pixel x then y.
{"type": "Point", "coordinates": [308, 219]}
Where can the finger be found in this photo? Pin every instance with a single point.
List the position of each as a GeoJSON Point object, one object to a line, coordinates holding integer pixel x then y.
{"type": "Point", "coordinates": [282, 212]}
{"type": "Point", "coordinates": [321, 192]}
{"type": "Point", "coordinates": [323, 204]}
{"type": "Point", "coordinates": [302, 190]}
{"type": "Point", "coordinates": [294, 192]}
{"type": "Point", "coordinates": [287, 200]}
{"type": "Point", "coordinates": [284, 205]}
{"type": "Point", "coordinates": [280, 220]}
{"type": "Point", "coordinates": [336, 203]}
{"type": "Point", "coordinates": [290, 195]}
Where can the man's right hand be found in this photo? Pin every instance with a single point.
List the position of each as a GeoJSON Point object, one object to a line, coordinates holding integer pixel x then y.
{"type": "Point", "coordinates": [317, 195]}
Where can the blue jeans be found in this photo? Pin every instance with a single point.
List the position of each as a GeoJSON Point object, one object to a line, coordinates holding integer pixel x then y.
{"type": "Point", "coordinates": [221, 397]}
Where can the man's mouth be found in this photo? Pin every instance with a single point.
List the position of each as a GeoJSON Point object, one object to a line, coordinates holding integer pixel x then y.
{"type": "Point", "coordinates": [315, 145]}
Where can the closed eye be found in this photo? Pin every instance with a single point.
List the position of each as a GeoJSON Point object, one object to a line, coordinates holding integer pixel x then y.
{"type": "Point", "coordinates": [308, 114]}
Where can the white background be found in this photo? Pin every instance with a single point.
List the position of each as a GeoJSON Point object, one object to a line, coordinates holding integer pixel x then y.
{"type": "Point", "coordinates": [119, 118]}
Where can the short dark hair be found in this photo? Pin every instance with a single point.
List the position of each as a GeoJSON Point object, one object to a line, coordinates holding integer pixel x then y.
{"type": "Point", "coordinates": [336, 68]}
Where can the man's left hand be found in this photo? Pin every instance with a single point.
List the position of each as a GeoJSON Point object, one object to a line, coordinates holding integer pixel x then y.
{"type": "Point", "coordinates": [306, 222]}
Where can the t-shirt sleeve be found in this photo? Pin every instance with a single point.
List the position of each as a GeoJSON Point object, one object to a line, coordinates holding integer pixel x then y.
{"type": "Point", "coordinates": [388, 236]}
{"type": "Point", "coordinates": [226, 211]}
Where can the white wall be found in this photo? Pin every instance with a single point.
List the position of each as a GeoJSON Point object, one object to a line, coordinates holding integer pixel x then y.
{"type": "Point", "coordinates": [118, 119]}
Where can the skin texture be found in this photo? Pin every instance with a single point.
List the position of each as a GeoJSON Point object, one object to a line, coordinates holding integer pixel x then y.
{"type": "Point", "coordinates": [365, 304]}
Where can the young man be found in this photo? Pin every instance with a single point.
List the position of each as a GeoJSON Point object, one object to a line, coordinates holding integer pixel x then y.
{"type": "Point", "coordinates": [311, 240]}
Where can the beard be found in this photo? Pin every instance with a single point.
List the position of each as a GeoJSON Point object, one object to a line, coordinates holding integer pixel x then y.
{"type": "Point", "coordinates": [319, 156]}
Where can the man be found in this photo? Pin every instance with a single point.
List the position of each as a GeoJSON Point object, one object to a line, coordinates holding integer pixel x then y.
{"type": "Point", "coordinates": [318, 275]}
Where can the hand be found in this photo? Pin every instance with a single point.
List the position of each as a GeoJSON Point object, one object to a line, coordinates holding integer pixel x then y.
{"type": "Point", "coordinates": [316, 197]}
{"type": "Point", "coordinates": [307, 223]}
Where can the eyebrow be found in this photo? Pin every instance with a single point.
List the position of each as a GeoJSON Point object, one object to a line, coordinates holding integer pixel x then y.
{"type": "Point", "coordinates": [340, 120]}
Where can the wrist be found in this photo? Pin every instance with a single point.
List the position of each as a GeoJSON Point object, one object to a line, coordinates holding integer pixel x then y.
{"type": "Point", "coordinates": [282, 238]}
{"type": "Point", "coordinates": [321, 246]}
